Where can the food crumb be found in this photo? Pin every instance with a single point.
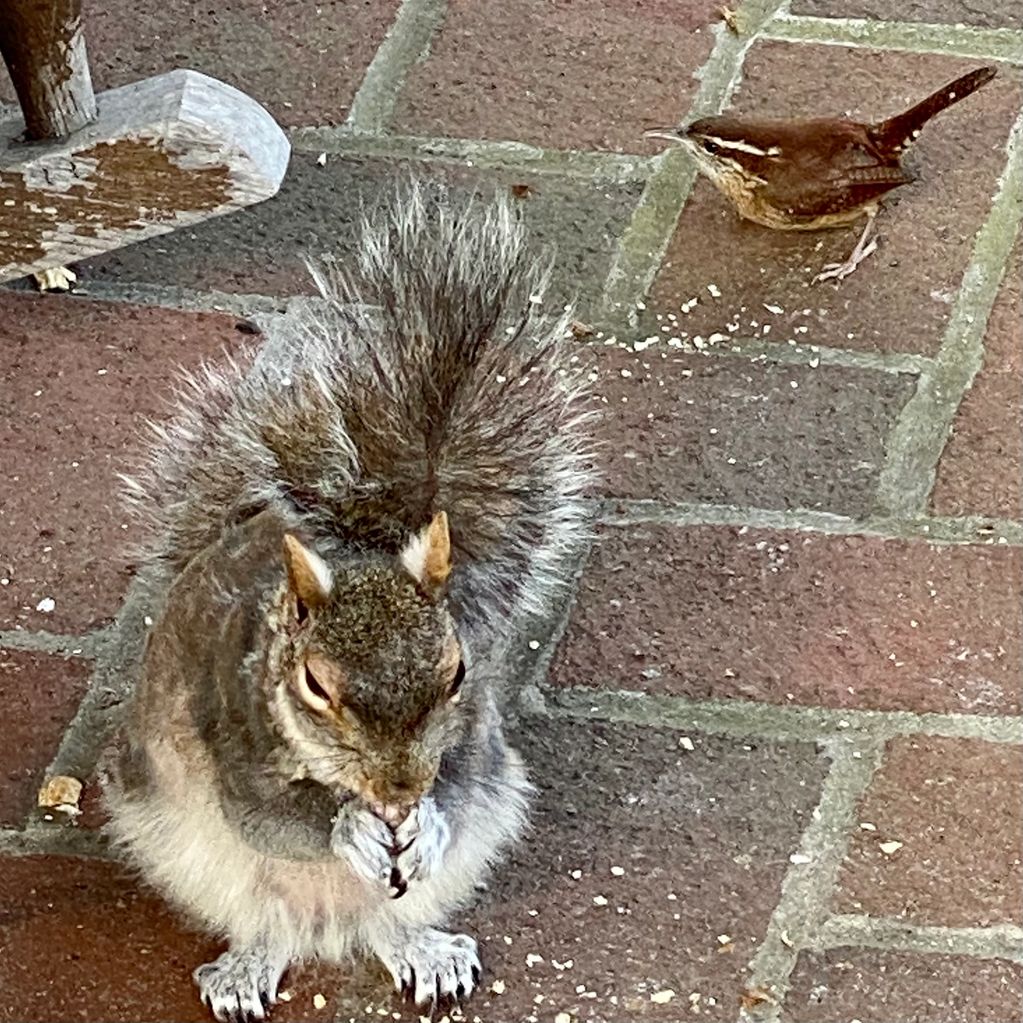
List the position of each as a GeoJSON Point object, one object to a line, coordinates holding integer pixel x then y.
{"type": "Point", "coordinates": [662, 997]}
{"type": "Point", "coordinates": [319, 1002]}
{"type": "Point", "coordinates": [61, 793]}
{"type": "Point", "coordinates": [498, 987]}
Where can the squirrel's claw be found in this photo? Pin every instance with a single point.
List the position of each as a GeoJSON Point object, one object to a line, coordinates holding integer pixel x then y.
{"type": "Point", "coordinates": [423, 841]}
{"type": "Point", "coordinates": [432, 967]}
{"type": "Point", "coordinates": [241, 985]}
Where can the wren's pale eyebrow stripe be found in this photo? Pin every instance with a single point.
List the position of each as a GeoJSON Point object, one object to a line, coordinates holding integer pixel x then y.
{"type": "Point", "coordinates": [742, 147]}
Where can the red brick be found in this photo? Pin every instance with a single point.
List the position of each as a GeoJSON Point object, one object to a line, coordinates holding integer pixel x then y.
{"type": "Point", "coordinates": [559, 74]}
{"type": "Point", "coordinates": [885, 987]}
{"type": "Point", "coordinates": [40, 694]}
{"type": "Point", "coordinates": [81, 941]}
{"type": "Point", "coordinates": [79, 378]}
{"type": "Point", "coordinates": [730, 431]}
{"type": "Point", "coordinates": [262, 249]}
{"type": "Point", "coordinates": [981, 469]}
{"type": "Point", "coordinates": [303, 63]}
{"type": "Point", "coordinates": [900, 299]}
{"type": "Point", "coordinates": [984, 13]}
{"type": "Point", "coordinates": [956, 805]}
{"type": "Point", "coordinates": [714, 613]}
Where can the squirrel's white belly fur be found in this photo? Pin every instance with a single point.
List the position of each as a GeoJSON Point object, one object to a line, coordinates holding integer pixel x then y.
{"type": "Point", "coordinates": [183, 845]}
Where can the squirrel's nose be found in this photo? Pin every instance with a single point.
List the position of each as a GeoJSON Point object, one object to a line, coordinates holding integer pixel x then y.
{"type": "Point", "coordinates": [392, 814]}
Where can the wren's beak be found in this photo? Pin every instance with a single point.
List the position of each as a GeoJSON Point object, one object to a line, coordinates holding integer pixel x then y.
{"type": "Point", "coordinates": [671, 134]}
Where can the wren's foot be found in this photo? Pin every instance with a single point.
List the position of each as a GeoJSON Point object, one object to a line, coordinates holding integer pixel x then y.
{"type": "Point", "coordinates": [242, 984]}
{"type": "Point", "coordinates": [431, 966]}
{"type": "Point", "coordinates": [864, 248]}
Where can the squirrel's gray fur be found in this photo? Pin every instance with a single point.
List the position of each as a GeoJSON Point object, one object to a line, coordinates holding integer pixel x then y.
{"type": "Point", "coordinates": [345, 526]}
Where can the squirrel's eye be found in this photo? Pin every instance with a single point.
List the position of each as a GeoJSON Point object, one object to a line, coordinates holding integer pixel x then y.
{"type": "Point", "coordinates": [314, 687]}
{"type": "Point", "coordinates": [456, 682]}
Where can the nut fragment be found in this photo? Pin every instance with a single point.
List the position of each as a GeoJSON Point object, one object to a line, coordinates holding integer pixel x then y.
{"type": "Point", "coordinates": [55, 278]}
{"type": "Point", "coordinates": [662, 997]}
{"type": "Point", "coordinates": [730, 18]}
{"type": "Point", "coordinates": [754, 997]}
{"type": "Point", "coordinates": [61, 793]}
{"type": "Point", "coordinates": [319, 1002]}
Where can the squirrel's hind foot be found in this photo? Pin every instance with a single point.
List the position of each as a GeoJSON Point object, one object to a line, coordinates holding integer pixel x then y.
{"type": "Point", "coordinates": [241, 985]}
{"type": "Point", "coordinates": [432, 967]}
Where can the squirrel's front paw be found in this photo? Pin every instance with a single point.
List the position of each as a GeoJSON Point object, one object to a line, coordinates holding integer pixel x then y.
{"type": "Point", "coordinates": [423, 839]}
{"type": "Point", "coordinates": [364, 841]}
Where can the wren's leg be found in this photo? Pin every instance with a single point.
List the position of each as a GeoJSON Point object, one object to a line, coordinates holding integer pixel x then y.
{"type": "Point", "coordinates": [241, 985]}
{"type": "Point", "coordinates": [863, 249]}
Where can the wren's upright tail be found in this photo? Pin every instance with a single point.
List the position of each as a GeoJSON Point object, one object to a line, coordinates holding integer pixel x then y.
{"type": "Point", "coordinates": [900, 132]}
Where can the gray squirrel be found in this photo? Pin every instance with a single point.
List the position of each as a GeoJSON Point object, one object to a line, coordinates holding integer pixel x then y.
{"type": "Point", "coordinates": [343, 530]}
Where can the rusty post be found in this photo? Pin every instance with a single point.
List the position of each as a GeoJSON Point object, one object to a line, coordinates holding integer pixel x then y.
{"type": "Point", "coordinates": [43, 46]}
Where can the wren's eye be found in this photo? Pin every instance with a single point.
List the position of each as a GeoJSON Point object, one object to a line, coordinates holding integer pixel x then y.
{"type": "Point", "coordinates": [456, 682]}
{"type": "Point", "coordinates": [712, 148]}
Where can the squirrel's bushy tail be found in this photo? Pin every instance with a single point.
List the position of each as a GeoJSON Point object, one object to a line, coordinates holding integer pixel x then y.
{"type": "Point", "coordinates": [430, 379]}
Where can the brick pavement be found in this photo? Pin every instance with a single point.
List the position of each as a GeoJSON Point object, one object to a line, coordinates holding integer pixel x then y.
{"type": "Point", "coordinates": [777, 730]}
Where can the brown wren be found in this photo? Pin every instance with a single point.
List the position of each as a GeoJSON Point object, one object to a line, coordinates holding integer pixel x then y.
{"type": "Point", "coordinates": [806, 175]}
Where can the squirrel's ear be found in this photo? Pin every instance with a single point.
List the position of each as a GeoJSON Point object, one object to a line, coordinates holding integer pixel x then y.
{"type": "Point", "coordinates": [308, 574]}
{"type": "Point", "coordinates": [427, 556]}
